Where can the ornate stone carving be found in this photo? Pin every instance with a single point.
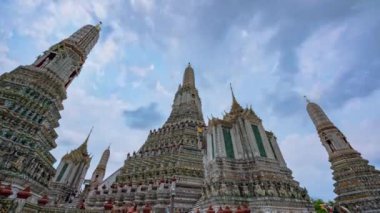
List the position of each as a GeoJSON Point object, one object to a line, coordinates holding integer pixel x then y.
{"type": "Point", "coordinates": [357, 183]}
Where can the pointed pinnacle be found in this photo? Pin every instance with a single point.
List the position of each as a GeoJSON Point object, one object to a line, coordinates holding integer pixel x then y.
{"type": "Point", "coordinates": [99, 25]}
{"type": "Point", "coordinates": [235, 105]}
{"type": "Point", "coordinates": [307, 100]}
{"type": "Point", "coordinates": [88, 136]}
{"type": "Point", "coordinates": [233, 94]}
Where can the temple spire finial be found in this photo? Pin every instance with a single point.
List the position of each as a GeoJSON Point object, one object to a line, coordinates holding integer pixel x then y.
{"type": "Point", "coordinates": [83, 147]}
{"type": "Point", "coordinates": [188, 77]}
{"type": "Point", "coordinates": [232, 93]}
{"type": "Point", "coordinates": [88, 136]}
{"type": "Point", "coordinates": [99, 25]}
{"type": "Point", "coordinates": [235, 104]}
{"type": "Point", "coordinates": [307, 100]}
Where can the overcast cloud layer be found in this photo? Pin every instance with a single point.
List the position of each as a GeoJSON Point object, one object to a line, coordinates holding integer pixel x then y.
{"type": "Point", "coordinates": [273, 52]}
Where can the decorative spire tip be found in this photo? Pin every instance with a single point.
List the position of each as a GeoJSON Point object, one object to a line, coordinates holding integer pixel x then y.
{"type": "Point", "coordinates": [232, 92]}
{"type": "Point", "coordinates": [99, 25]}
{"type": "Point", "coordinates": [307, 100]}
{"type": "Point", "coordinates": [88, 136]}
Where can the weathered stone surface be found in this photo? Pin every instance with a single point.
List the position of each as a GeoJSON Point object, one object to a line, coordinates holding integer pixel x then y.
{"type": "Point", "coordinates": [244, 166]}
{"type": "Point", "coordinates": [30, 100]}
{"type": "Point", "coordinates": [357, 184]}
{"type": "Point", "coordinates": [71, 171]}
{"type": "Point", "coordinates": [169, 152]}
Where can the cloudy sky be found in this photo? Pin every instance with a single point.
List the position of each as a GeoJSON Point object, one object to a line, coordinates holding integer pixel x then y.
{"type": "Point", "coordinates": [273, 53]}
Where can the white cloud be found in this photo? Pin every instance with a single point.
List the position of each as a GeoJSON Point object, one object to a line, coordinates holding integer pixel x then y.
{"type": "Point", "coordinates": [308, 160]}
{"type": "Point", "coordinates": [162, 90]}
{"type": "Point", "coordinates": [239, 51]}
{"type": "Point", "coordinates": [136, 84]}
{"type": "Point", "coordinates": [103, 53]}
{"type": "Point", "coordinates": [49, 23]}
{"type": "Point", "coordinates": [100, 10]}
{"type": "Point", "coordinates": [110, 49]}
{"type": "Point", "coordinates": [244, 33]}
{"type": "Point", "coordinates": [121, 80]}
{"type": "Point", "coordinates": [358, 119]}
{"type": "Point", "coordinates": [82, 111]}
{"type": "Point", "coordinates": [145, 6]}
{"type": "Point", "coordinates": [142, 71]}
{"type": "Point", "coordinates": [6, 63]}
{"type": "Point", "coordinates": [321, 60]}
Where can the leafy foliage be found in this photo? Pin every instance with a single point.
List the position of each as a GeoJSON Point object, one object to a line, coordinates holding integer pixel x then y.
{"type": "Point", "coordinates": [320, 205]}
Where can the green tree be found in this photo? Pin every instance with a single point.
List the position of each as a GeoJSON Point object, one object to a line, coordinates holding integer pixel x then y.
{"type": "Point", "coordinates": [318, 206]}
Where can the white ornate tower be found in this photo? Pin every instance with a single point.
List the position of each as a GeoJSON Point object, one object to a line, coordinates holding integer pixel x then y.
{"type": "Point", "coordinates": [31, 97]}
{"type": "Point", "coordinates": [357, 183]}
{"type": "Point", "coordinates": [70, 174]}
{"type": "Point", "coordinates": [100, 171]}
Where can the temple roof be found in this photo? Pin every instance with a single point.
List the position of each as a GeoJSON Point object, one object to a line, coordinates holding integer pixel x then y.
{"type": "Point", "coordinates": [235, 111]}
{"type": "Point", "coordinates": [79, 153]}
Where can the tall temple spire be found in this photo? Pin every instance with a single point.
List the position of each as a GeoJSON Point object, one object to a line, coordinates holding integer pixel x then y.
{"type": "Point", "coordinates": [187, 104]}
{"type": "Point", "coordinates": [169, 152]}
{"type": "Point", "coordinates": [41, 89]}
{"type": "Point", "coordinates": [104, 159]}
{"type": "Point", "coordinates": [66, 58]}
{"type": "Point", "coordinates": [99, 172]}
{"type": "Point", "coordinates": [357, 183]}
{"type": "Point", "coordinates": [84, 39]}
{"type": "Point", "coordinates": [318, 116]}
